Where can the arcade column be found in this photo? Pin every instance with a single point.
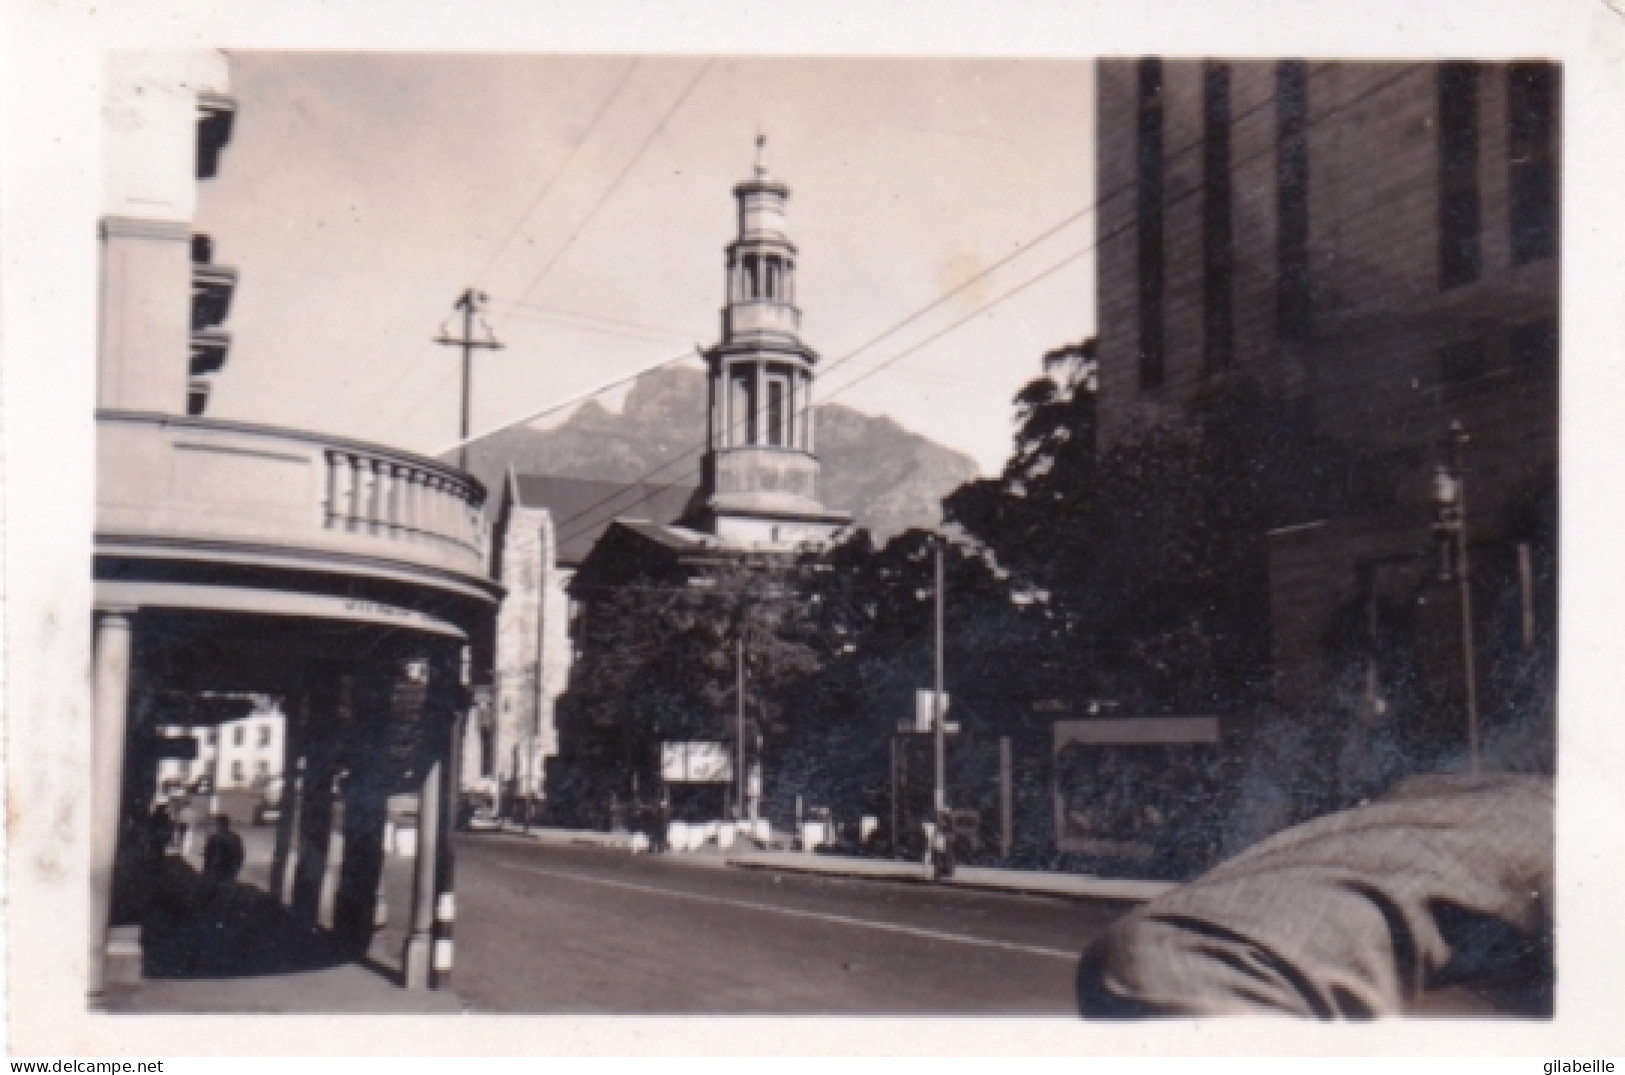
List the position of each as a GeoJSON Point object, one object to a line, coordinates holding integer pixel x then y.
{"type": "Point", "coordinates": [114, 629]}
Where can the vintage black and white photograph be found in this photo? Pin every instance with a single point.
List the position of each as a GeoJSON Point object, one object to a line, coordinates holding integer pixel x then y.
{"type": "Point", "coordinates": [719, 533]}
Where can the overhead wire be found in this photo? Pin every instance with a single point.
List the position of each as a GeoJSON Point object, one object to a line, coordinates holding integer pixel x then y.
{"type": "Point", "coordinates": [620, 178]}
{"type": "Point", "coordinates": [591, 213]}
{"type": "Point", "coordinates": [592, 125]}
{"type": "Point", "coordinates": [696, 453]}
{"type": "Point", "coordinates": [547, 314]}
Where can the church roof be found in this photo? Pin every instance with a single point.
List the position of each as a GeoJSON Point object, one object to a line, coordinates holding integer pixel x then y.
{"type": "Point", "coordinates": [583, 508]}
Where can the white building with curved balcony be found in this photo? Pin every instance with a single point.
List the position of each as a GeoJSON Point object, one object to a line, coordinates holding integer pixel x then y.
{"type": "Point", "coordinates": [348, 580]}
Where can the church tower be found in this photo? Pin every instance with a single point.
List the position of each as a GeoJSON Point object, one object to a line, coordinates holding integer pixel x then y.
{"type": "Point", "coordinates": [760, 471]}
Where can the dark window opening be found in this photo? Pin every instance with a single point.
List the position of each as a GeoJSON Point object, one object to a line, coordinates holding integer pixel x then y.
{"type": "Point", "coordinates": [1459, 253]}
{"type": "Point", "coordinates": [1534, 345]}
{"type": "Point", "coordinates": [1461, 361]}
{"type": "Point", "coordinates": [1292, 197]}
{"type": "Point", "coordinates": [744, 408]}
{"type": "Point", "coordinates": [775, 413]}
{"type": "Point", "coordinates": [1149, 208]}
{"type": "Point", "coordinates": [1218, 249]}
{"type": "Point", "coordinates": [1531, 122]}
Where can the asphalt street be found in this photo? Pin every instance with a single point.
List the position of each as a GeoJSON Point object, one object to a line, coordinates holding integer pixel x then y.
{"type": "Point", "coordinates": [584, 930]}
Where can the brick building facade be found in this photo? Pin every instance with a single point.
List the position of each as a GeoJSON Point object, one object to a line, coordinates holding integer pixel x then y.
{"type": "Point", "coordinates": [1374, 247]}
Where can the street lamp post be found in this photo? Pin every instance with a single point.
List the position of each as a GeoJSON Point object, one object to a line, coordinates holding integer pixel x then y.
{"type": "Point", "coordinates": [938, 729]}
{"type": "Point", "coordinates": [1450, 523]}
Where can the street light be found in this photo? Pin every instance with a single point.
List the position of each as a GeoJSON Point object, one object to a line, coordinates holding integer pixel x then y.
{"type": "Point", "coordinates": [1450, 524]}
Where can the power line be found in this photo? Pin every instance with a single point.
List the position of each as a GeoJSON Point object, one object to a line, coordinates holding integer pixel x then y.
{"type": "Point", "coordinates": [619, 179]}
{"type": "Point", "coordinates": [1021, 249]}
{"type": "Point", "coordinates": [592, 125]}
{"type": "Point", "coordinates": [592, 323]}
{"type": "Point", "coordinates": [599, 204]}
{"type": "Point", "coordinates": [1130, 222]}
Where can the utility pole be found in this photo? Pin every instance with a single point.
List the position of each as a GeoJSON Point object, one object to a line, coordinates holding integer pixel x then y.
{"type": "Point", "coordinates": [470, 302]}
{"type": "Point", "coordinates": [938, 729]}
{"type": "Point", "coordinates": [739, 732]}
{"type": "Point", "coordinates": [1458, 440]}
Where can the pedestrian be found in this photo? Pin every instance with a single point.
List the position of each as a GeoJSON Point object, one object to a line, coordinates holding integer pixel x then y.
{"type": "Point", "coordinates": [942, 846]}
{"type": "Point", "coordinates": [657, 840]}
{"type": "Point", "coordinates": [186, 826]}
{"type": "Point", "coordinates": [223, 854]}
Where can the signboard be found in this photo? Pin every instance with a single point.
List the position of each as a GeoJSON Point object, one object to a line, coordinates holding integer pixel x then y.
{"type": "Point", "coordinates": [1116, 805]}
{"type": "Point", "coordinates": [696, 763]}
{"type": "Point", "coordinates": [924, 717]}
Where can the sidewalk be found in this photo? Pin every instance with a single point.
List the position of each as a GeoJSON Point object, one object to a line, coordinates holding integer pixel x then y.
{"type": "Point", "coordinates": [1030, 882]}
{"type": "Point", "coordinates": [369, 986]}
{"type": "Point", "coordinates": [342, 989]}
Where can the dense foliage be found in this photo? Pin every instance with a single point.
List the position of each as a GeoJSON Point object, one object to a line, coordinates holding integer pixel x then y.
{"type": "Point", "coordinates": [1131, 578]}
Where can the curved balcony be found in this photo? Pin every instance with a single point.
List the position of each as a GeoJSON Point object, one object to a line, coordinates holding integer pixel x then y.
{"type": "Point", "coordinates": [230, 492]}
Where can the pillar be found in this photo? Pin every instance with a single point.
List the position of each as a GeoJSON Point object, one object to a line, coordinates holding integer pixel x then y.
{"type": "Point", "coordinates": [315, 822]}
{"type": "Point", "coordinates": [284, 855]}
{"type": "Point", "coordinates": [420, 941]}
{"type": "Point", "coordinates": [109, 710]}
{"type": "Point", "coordinates": [811, 447]}
{"type": "Point", "coordinates": [727, 440]}
{"type": "Point", "coordinates": [366, 795]}
{"type": "Point", "coordinates": [758, 406]}
{"type": "Point", "coordinates": [1006, 825]}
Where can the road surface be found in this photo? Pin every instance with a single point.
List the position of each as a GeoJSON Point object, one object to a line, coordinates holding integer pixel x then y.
{"type": "Point", "coordinates": [585, 930]}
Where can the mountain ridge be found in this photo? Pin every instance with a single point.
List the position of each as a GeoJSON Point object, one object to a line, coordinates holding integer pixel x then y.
{"type": "Point", "coordinates": [887, 477]}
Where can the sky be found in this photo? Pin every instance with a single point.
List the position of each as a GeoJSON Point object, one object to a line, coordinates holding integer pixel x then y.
{"type": "Point", "coordinates": [590, 197]}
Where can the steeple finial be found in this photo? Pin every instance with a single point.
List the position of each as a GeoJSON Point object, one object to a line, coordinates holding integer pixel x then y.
{"type": "Point", "coordinates": [761, 155]}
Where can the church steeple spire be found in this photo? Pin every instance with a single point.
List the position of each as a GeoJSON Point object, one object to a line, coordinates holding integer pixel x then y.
{"type": "Point", "coordinates": [761, 473]}
{"type": "Point", "coordinates": [761, 155]}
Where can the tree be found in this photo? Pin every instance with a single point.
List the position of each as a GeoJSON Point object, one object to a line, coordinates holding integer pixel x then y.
{"type": "Point", "coordinates": [658, 663]}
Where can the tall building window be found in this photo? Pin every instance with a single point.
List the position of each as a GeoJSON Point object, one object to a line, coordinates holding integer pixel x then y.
{"type": "Point", "coordinates": [265, 735]}
{"type": "Point", "coordinates": [1292, 198]}
{"type": "Point", "coordinates": [237, 734]}
{"type": "Point", "coordinates": [1218, 244]}
{"type": "Point", "coordinates": [1531, 122]}
{"type": "Point", "coordinates": [1148, 206]}
{"type": "Point", "coordinates": [1458, 174]}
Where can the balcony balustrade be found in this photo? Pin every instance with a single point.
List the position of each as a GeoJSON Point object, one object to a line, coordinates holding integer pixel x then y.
{"type": "Point", "coordinates": [230, 491]}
